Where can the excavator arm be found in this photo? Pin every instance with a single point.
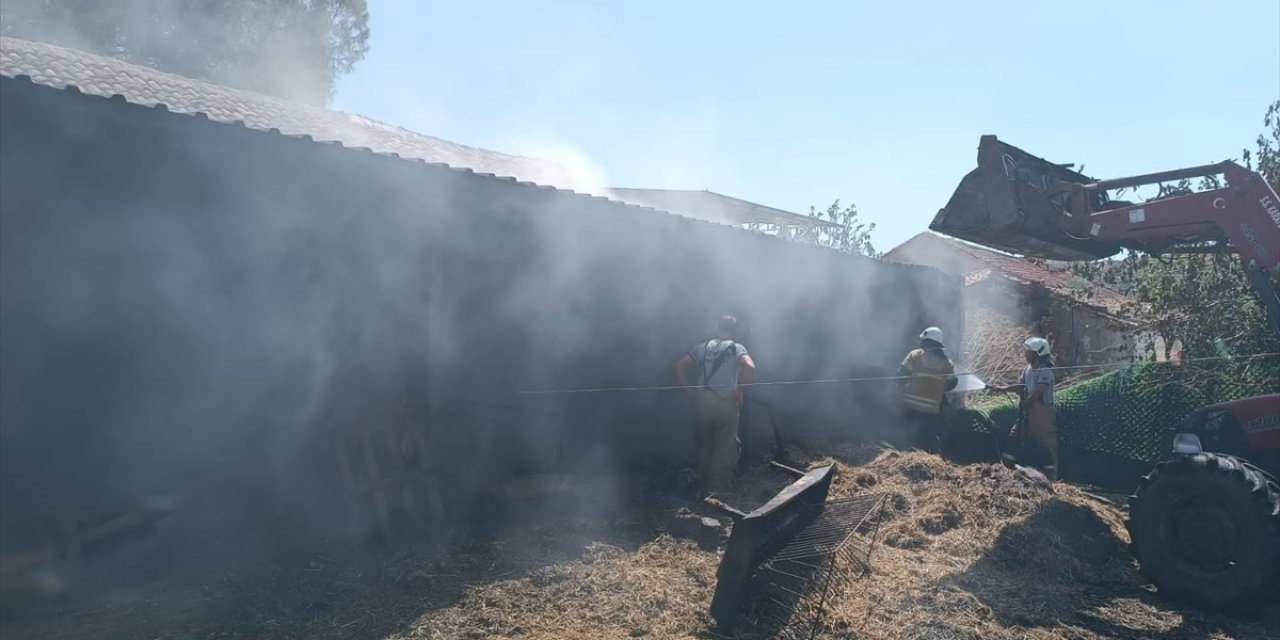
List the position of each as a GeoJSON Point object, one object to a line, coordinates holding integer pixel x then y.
{"type": "Point", "coordinates": [1024, 204]}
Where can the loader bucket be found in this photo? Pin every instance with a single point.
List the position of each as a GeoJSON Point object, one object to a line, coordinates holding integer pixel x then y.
{"type": "Point", "coordinates": [1006, 204]}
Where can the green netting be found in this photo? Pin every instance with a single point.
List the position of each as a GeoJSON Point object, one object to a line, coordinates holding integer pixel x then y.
{"type": "Point", "coordinates": [1130, 412]}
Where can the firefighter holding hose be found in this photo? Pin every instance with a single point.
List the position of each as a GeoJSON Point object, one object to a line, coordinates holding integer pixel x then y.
{"type": "Point", "coordinates": [927, 373]}
{"type": "Point", "coordinates": [1037, 423]}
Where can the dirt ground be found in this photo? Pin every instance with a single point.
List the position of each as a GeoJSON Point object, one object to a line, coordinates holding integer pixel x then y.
{"type": "Point", "coordinates": [966, 552]}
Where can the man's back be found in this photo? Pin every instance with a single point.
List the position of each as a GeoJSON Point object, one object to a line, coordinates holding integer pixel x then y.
{"type": "Point", "coordinates": [718, 364]}
{"type": "Point", "coordinates": [933, 362]}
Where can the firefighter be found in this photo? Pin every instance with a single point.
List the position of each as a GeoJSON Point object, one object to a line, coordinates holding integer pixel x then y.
{"type": "Point", "coordinates": [724, 370]}
{"type": "Point", "coordinates": [927, 373]}
{"type": "Point", "coordinates": [1038, 415]}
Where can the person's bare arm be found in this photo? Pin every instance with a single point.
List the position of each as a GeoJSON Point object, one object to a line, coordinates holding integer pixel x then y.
{"type": "Point", "coordinates": [1034, 396]}
{"type": "Point", "coordinates": [1039, 385]}
{"type": "Point", "coordinates": [681, 366]}
{"type": "Point", "coordinates": [1019, 388]}
{"type": "Point", "coordinates": [746, 375]}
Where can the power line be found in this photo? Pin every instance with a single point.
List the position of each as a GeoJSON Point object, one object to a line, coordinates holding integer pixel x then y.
{"type": "Point", "coordinates": [1114, 365]}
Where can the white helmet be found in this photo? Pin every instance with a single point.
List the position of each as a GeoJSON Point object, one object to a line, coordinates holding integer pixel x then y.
{"type": "Point", "coordinates": [932, 333]}
{"type": "Point", "coordinates": [1038, 346]}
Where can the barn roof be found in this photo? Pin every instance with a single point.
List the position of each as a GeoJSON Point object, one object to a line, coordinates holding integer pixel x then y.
{"type": "Point", "coordinates": [60, 67]}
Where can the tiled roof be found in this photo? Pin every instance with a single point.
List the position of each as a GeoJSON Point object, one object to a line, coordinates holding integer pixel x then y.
{"type": "Point", "coordinates": [1017, 269]}
{"type": "Point", "coordinates": [974, 277]}
{"type": "Point", "coordinates": [713, 207]}
{"type": "Point", "coordinates": [523, 184]}
{"type": "Point", "coordinates": [59, 67]}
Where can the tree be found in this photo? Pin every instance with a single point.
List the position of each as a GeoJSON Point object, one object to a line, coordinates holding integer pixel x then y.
{"type": "Point", "coordinates": [1205, 300]}
{"type": "Point", "coordinates": [1268, 153]}
{"type": "Point", "coordinates": [294, 49]}
{"type": "Point", "coordinates": [847, 234]}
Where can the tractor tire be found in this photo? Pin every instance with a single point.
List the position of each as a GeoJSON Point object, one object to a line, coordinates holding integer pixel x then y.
{"type": "Point", "coordinates": [1205, 529]}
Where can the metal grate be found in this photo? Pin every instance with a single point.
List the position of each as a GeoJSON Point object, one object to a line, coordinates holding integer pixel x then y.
{"type": "Point", "coordinates": [832, 529]}
{"type": "Point", "coordinates": [765, 529]}
{"type": "Point", "coordinates": [784, 558]}
{"type": "Point", "coordinates": [793, 586]}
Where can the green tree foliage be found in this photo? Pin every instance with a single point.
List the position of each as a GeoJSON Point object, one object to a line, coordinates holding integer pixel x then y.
{"type": "Point", "coordinates": [1267, 156]}
{"type": "Point", "coordinates": [294, 49]}
{"type": "Point", "coordinates": [1205, 300]}
{"type": "Point", "coordinates": [846, 232]}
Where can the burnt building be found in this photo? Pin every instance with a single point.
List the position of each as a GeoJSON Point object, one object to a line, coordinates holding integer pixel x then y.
{"type": "Point", "coordinates": [1008, 298]}
{"type": "Point", "coordinates": [213, 294]}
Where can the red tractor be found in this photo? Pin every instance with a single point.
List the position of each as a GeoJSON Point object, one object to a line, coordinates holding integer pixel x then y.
{"type": "Point", "coordinates": [1205, 523]}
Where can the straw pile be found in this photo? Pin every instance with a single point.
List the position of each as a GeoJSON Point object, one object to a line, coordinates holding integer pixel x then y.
{"type": "Point", "coordinates": [657, 591]}
{"type": "Point", "coordinates": [967, 552]}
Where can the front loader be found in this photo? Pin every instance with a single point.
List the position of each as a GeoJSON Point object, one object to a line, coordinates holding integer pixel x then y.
{"type": "Point", "coordinates": [1205, 523]}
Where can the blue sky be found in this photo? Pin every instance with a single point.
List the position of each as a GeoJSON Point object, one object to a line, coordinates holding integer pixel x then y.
{"type": "Point", "coordinates": [795, 105]}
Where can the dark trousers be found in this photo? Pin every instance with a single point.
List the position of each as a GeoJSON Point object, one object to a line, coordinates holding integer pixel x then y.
{"type": "Point", "coordinates": [925, 431]}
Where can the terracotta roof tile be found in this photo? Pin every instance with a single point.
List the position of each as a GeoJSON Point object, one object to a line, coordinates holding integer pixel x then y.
{"type": "Point", "coordinates": [1025, 271]}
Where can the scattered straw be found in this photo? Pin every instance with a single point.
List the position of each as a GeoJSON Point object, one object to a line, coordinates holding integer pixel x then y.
{"type": "Point", "coordinates": [966, 553]}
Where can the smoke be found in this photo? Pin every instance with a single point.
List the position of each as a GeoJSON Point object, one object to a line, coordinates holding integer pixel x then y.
{"type": "Point", "coordinates": [582, 173]}
{"type": "Point", "coordinates": [201, 310]}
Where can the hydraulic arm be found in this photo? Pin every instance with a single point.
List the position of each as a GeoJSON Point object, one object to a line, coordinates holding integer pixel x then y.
{"type": "Point", "coordinates": [1024, 204]}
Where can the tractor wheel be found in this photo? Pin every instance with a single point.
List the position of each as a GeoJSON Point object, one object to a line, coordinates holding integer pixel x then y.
{"type": "Point", "coordinates": [1206, 530]}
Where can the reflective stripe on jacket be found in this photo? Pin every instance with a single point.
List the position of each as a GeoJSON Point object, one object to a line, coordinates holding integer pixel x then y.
{"type": "Point", "coordinates": [930, 373]}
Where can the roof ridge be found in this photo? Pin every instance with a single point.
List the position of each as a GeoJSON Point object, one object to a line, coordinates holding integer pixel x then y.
{"type": "Point", "coordinates": [10, 45]}
{"type": "Point", "coordinates": [6, 43]}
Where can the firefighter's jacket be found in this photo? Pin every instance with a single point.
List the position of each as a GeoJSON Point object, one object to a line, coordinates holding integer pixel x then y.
{"type": "Point", "coordinates": [932, 373]}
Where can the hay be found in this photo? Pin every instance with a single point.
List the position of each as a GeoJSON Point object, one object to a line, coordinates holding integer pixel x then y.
{"type": "Point", "coordinates": [966, 552]}
{"type": "Point", "coordinates": [657, 591]}
{"type": "Point", "coordinates": [992, 345]}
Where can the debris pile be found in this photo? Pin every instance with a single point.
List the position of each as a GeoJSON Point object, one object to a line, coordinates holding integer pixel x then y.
{"type": "Point", "coordinates": [974, 551]}
{"type": "Point", "coordinates": [977, 551]}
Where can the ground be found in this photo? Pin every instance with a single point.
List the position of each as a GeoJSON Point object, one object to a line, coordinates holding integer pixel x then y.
{"type": "Point", "coordinates": [972, 551]}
